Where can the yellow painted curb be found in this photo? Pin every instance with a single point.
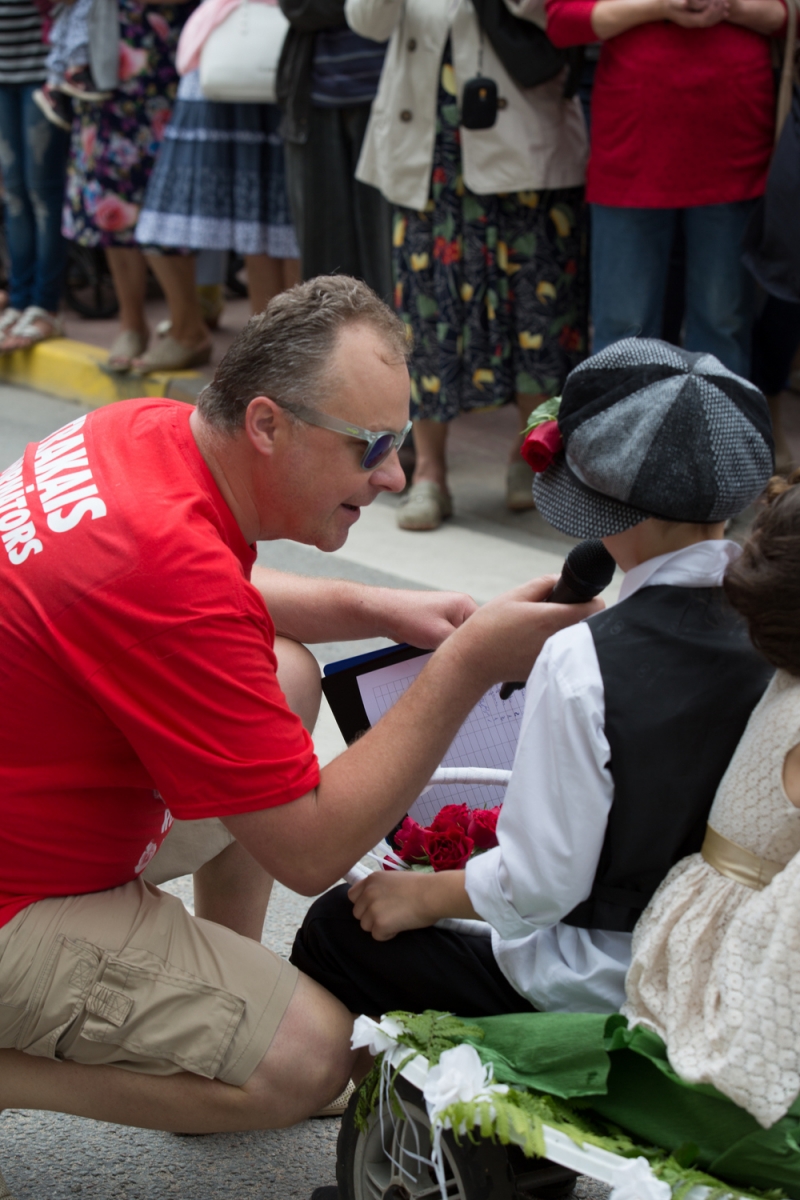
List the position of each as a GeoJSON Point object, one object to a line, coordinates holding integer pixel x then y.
{"type": "Point", "coordinates": [76, 371]}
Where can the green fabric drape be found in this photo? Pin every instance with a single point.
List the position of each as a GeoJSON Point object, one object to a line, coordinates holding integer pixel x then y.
{"type": "Point", "coordinates": [623, 1076]}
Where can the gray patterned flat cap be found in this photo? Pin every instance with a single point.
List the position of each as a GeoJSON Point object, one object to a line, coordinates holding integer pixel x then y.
{"type": "Point", "coordinates": [653, 431]}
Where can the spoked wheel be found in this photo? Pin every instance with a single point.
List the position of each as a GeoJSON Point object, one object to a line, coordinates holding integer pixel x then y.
{"type": "Point", "coordinates": [383, 1163]}
{"type": "Point", "coordinates": [365, 1170]}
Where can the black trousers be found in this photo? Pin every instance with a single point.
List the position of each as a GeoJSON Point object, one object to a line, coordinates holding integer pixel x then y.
{"type": "Point", "coordinates": [343, 226]}
{"type": "Point", "coordinates": [423, 968]}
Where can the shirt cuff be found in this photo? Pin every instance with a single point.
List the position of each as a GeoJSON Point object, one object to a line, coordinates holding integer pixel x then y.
{"type": "Point", "coordinates": [485, 891]}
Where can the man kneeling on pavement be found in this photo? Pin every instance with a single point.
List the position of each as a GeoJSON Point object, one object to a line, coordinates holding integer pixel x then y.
{"type": "Point", "coordinates": [149, 683]}
{"type": "Point", "coordinates": [152, 674]}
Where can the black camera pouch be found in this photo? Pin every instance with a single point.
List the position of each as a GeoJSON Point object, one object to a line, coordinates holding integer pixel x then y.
{"type": "Point", "coordinates": [479, 103]}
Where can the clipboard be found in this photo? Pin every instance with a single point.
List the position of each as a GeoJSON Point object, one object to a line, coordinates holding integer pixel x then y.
{"type": "Point", "coordinates": [340, 685]}
{"type": "Point", "coordinates": [360, 690]}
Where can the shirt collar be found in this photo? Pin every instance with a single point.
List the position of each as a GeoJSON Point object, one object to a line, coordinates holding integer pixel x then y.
{"type": "Point", "coordinates": [700, 565]}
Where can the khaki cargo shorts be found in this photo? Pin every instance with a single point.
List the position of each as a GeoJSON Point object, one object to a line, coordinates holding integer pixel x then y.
{"type": "Point", "coordinates": [128, 977]}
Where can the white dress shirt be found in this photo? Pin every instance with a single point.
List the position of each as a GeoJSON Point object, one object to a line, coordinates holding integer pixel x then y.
{"type": "Point", "coordinates": [553, 822]}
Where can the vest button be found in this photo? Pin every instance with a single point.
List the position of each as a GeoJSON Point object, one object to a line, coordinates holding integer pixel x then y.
{"type": "Point", "coordinates": [411, 44]}
{"type": "Point", "coordinates": [406, 114]}
{"type": "Point", "coordinates": [502, 102]}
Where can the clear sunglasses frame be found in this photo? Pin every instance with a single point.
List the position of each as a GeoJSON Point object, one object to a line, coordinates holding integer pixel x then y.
{"type": "Point", "coordinates": [370, 460]}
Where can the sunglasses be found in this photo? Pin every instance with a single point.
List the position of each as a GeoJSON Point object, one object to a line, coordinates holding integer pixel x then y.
{"type": "Point", "coordinates": [379, 445]}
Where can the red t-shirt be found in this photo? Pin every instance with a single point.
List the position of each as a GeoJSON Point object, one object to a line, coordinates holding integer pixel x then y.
{"type": "Point", "coordinates": [680, 117]}
{"type": "Point", "coordinates": [137, 668]}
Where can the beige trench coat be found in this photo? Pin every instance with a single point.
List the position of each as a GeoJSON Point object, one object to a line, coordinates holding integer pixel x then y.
{"type": "Point", "coordinates": [538, 141]}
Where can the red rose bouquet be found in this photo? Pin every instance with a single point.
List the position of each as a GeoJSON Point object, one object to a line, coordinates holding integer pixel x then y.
{"type": "Point", "coordinates": [454, 836]}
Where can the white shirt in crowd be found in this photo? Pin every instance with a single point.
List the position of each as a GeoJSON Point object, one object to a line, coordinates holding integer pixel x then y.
{"type": "Point", "coordinates": [553, 822]}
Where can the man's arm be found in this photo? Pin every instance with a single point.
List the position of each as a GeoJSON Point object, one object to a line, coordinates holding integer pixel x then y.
{"type": "Point", "coordinates": [552, 825]}
{"type": "Point", "coordinates": [308, 843]}
{"type": "Point", "coordinates": [336, 610]}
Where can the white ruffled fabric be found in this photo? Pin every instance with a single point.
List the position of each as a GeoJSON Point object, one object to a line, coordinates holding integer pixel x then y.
{"type": "Point", "coordinates": [716, 965]}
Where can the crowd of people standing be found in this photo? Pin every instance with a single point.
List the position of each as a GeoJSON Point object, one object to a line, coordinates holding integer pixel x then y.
{"type": "Point", "coordinates": [509, 249]}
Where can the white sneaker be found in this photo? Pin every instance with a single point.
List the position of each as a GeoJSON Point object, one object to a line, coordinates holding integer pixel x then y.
{"type": "Point", "coordinates": [425, 506]}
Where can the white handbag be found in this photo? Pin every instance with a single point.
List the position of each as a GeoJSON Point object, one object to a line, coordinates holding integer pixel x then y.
{"type": "Point", "coordinates": [239, 61]}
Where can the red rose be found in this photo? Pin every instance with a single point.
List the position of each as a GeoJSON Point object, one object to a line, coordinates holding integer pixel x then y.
{"type": "Point", "coordinates": [448, 849]}
{"type": "Point", "coordinates": [542, 445]}
{"type": "Point", "coordinates": [410, 842]}
{"type": "Point", "coordinates": [483, 826]}
{"type": "Point", "coordinates": [452, 814]}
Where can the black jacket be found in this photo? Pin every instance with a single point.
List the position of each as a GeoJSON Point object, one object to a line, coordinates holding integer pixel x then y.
{"type": "Point", "coordinates": [306, 18]}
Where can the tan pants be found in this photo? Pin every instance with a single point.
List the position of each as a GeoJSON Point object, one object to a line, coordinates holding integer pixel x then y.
{"type": "Point", "coordinates": [128, 977]}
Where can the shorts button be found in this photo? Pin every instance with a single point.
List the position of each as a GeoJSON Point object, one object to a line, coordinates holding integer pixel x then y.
{"type": "Point", "coordinates": [411, 44]}
{"type": "Point", "coordinates": [405, 115]}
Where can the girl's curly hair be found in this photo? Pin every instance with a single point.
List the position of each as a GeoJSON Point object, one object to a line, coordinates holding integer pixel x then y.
{"type": "Point", "coordinates": [764, 583]}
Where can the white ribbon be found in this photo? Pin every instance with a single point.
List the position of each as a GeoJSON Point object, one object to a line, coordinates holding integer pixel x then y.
{"type": "Point", "coordinates": [636, 1181]}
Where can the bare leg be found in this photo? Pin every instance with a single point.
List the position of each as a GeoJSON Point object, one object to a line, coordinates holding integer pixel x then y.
{"type": "Point", "coordinates": [175, 273]}
{"type": "Point", "coordinates": [129, 273]}
{"type": "Point", "coordinates": [291, 272]}
{"type": "Point", "coordinates": [430, 443]}
{"type": "Point", "coordinates": [264, 279]}
{"type": "Point", "coordinates": [525, 406]}
{"type": "Point", "coordinates": [519, 477]}
{"type": "Point", "coordinates": [306, 1066]}
{"type": "Point", "coordinates": [233, 889]}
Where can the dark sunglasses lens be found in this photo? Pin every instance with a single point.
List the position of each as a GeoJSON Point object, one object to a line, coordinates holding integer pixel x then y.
{"type": "Point", "coordinates": [377, 452]}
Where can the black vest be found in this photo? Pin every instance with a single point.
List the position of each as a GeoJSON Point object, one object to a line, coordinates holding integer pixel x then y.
{"type": "Point", "coordinates": [680, 678]}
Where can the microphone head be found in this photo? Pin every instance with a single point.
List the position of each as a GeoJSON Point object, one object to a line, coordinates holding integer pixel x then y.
{"type": "Point", "coordinates": [589, 568]}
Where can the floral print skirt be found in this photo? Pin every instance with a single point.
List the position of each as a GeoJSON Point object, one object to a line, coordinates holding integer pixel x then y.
{"type": "Point", "coordinates": [492, 289]}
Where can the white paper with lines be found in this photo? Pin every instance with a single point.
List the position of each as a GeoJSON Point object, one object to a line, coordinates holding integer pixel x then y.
{"type": "Point", "coordinates": [488, 737]}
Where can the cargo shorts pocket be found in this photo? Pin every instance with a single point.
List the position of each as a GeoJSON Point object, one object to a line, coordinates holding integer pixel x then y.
{"type": "Point", "coordinates": [148, 1012]}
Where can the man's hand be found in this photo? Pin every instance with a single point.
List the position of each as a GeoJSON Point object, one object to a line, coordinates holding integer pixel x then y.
{"type": "Point", "coordinates": [425, 619]}
{"type": "Point", "coordinates": [388, 902]}
{"type": "Point", "coordinates": [502, 640]}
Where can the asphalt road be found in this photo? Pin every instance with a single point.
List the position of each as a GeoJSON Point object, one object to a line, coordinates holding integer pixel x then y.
{"type": "Point", "coordinates": [49, 1156]}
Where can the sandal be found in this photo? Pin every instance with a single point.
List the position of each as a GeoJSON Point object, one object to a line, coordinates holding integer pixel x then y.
{"type": "Point", "coordinates": [8, 319]}
{"type": "Point", "coordinates": [35, 325]}
{"type": "Point", "coordinates": [126, 346]}
{"type": "Point", "coordinates": [170, 355]}
{"type": "Point", "coordinates": [425, 506]}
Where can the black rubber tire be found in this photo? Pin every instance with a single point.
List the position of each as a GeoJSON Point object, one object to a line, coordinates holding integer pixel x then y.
{"type": "Point", "coordinates": [480, 1170]}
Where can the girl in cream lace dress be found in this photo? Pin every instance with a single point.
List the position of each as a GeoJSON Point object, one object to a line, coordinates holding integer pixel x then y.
{"type": "Point", "coordinates": [716, 955]}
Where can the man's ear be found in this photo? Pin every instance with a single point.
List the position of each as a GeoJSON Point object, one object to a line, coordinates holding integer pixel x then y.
{"type": "Point", "coordinates": [262, 420]}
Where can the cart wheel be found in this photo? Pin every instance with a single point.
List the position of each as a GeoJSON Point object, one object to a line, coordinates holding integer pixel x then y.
{"type": "Point", "coordinates": [480, 1170]}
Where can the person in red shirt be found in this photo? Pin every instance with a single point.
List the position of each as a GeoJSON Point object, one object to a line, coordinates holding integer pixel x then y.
{"type": "Point", "coordinates": [683, 120]}
{"type": "Point", "coordinates": [141, 674]}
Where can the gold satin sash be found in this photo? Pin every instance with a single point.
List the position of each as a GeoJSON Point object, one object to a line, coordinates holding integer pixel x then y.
{"type": "Point", "coordinates": [735, 862]}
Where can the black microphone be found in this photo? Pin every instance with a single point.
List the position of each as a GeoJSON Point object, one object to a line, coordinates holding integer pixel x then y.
{"type": "Point", "coordinates": [587, 571]}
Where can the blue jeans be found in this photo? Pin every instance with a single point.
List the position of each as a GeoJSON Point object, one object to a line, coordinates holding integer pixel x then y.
{"type": "Point", "coordinates": [630, 260]}
{"type": "Point", "coordinates": [33, 160]}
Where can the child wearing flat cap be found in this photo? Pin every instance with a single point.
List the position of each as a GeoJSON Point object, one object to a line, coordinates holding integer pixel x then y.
{"type": "Point", "coordinates": [630, 720]}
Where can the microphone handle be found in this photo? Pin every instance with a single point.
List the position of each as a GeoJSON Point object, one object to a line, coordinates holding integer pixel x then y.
{"type": "Point", "coordinates": [568, 590]}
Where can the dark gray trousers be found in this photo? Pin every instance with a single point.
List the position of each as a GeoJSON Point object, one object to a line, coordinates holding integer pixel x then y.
{"type": "Point", "coordinates": [343, 226]}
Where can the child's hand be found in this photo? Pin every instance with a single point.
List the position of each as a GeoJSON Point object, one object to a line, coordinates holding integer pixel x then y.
{"type": "Point", "coordinates": [387, 902]}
